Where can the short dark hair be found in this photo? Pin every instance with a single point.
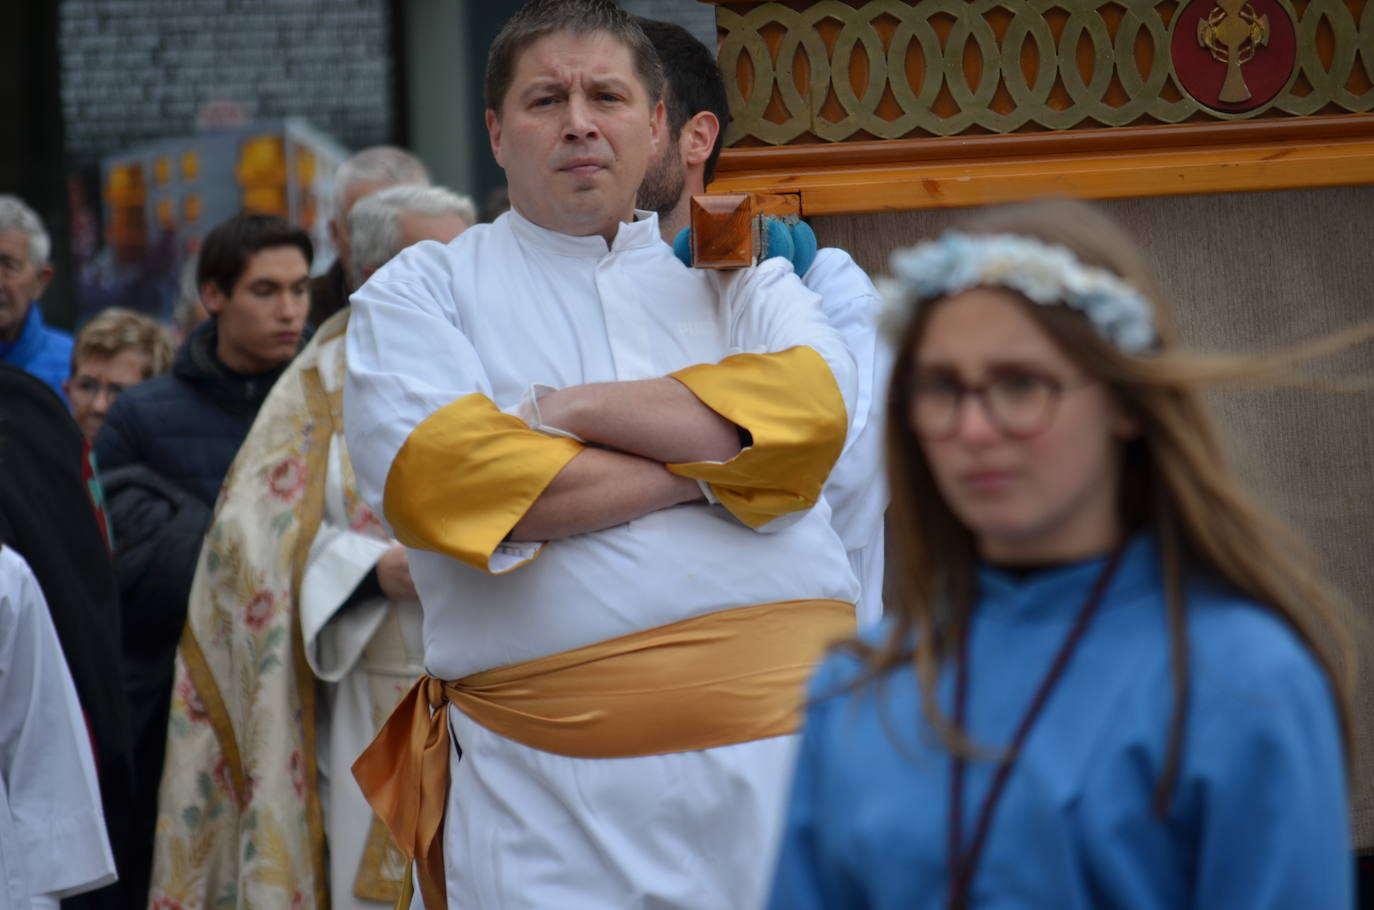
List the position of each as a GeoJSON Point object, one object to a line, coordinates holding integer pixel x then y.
{"type": "Point", "coordinates": [225, 250]}
{"type": "Point", "coordinates": [694, 82]}
{"type": "Point", "coordinates": [539, 18]}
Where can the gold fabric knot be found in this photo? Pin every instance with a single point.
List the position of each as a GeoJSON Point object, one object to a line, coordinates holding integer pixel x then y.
{"type": "Point", "coordinates": [405, 776]}
{"type": "Point", "coordinates": [434, 691]}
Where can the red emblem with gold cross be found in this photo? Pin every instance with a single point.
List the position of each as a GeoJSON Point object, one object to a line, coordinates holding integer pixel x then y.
{"type": "Point", "coordinates": [1234, 55]}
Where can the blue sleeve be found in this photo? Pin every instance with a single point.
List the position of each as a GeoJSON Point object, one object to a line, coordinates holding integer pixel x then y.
{"type": "Point", "coordinates": [808, 876]}
{"type": "Point", "coordinates": [1266, 776]}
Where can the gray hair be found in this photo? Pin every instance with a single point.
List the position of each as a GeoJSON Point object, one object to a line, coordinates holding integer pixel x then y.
{"type": "Point", "coordinates": [374, 224]}
{"type": "Point", "coordinates": [15, 215]}
{"type": "Point", "coordinates": [378, 164]}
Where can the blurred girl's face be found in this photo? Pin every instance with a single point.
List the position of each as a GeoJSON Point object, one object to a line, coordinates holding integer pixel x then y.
{"type": "Point", "coordinates": [1024, 446]}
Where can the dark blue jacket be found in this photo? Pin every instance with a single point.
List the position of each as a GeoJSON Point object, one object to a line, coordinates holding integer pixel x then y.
{"type": "Point", "coordinates": [187, 425]}
{"type": "Point", "coordinates": [40, 351]}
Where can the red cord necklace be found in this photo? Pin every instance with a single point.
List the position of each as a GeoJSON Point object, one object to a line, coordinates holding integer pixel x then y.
{"type": "Point", "coordinates": [963, 863]}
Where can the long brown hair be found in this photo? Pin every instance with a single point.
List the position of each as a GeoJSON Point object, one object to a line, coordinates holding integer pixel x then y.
{"type": "Point", "coordinates": [1174, 478]}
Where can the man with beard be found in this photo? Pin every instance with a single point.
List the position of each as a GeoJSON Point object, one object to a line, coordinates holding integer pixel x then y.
{"type": "Point", "coordinates": [698, 115]}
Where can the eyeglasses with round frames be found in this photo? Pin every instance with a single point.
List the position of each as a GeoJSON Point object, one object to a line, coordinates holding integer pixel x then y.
{"type": "Point", "coordinates": [1019, 403]}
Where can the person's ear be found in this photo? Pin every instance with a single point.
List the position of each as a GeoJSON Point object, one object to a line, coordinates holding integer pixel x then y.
{"type": "Point", "coordinates": [699, 138]}
{"type": "Point", "coordinates": [212, 297]}
{"type": "Point", "coordinates": [658, 128]}
{"type": "Point", "coordinates": [44, 276]}
{"type": "Point", "coordinates": [494, 133]}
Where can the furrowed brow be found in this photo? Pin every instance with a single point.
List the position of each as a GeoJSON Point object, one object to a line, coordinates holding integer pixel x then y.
{"type": "Point", "coordinates": [544, 86]}
{"type": "Point", "coordinates": [609, 83]}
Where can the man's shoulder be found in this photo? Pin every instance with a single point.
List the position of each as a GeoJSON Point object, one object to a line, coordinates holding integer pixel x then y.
{"type": "Point", "coordinates": [478, 246]}
{"type": "Point", "coordinates": [57, 339]}
{"type": "Point", "coordinates": [51, 357]}
{"type": "Point", "coordinates": [835, 271]}
{"type": "Point", "coordinates": [156, 390]}
{"type": "Point", "coordinates": [18, 587]}
{"type": "Point", "coordinates": [152, 401]}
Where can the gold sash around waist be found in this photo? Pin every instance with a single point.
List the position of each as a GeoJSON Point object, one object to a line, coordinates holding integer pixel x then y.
{"type": "Point", "coordinates": [727, 677]}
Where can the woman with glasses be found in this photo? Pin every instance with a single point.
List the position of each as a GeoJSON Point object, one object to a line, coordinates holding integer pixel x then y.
{"type": "Point", "coordinates": [1106, 677]}
{"type": "Point", "coordinates": [118, 348]}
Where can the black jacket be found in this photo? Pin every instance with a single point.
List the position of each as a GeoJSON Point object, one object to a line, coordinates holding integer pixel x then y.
{"type": "Point", "coordinates": [48, 517]}
{"type": "Point", "coordinates": [161, 528]}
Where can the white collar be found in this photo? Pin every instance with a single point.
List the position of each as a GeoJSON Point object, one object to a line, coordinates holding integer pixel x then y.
{"type": "Point", "coordinates": [641, 232]}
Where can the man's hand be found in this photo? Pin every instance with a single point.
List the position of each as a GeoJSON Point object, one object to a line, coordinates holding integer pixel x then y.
{"type": "Point", "coordinates": [393, 574]}
{"type": "Point", "coordinates": [658, 419]}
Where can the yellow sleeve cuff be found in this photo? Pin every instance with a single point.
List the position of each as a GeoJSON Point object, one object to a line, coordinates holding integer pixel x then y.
{"type": "Point", "coordinates": [465, 476]}
{"type": "Point", "coordinates": [791, 405]}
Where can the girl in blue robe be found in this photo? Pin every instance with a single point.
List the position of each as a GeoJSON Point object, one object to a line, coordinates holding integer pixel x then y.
{"type": "Point", "coordinates": [1099, 685]}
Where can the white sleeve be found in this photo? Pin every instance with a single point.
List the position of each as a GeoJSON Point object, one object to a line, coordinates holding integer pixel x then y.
{"type": "Point", "coordinates": [850, 303]}
{"type": "Point", "coordinates": [857, 486]}
{"type": "Point", "coordinates": [406, 359]}
{"type": "Point", "coordinates": [422, 430]}
{"type": "Point", "coordinates": [45, 749]}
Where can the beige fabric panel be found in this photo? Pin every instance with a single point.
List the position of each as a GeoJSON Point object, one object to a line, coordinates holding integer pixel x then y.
{"type": "Point", "coordinates": [1251, 272]}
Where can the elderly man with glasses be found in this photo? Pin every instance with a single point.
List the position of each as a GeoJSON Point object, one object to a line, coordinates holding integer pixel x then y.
{"type": "Point", "coordinates": [25, 340]}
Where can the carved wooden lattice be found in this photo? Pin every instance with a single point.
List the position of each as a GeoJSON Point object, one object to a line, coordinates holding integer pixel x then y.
{"type": "Point", "coordinates": [896, 69]}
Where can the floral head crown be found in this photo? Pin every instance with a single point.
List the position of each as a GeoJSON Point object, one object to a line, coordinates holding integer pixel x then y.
{"type": "Point", "coordinates": [1044, 273]}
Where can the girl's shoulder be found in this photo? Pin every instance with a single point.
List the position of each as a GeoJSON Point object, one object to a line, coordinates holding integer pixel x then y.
{"type": "Point", "coordinates": [1245, 648]}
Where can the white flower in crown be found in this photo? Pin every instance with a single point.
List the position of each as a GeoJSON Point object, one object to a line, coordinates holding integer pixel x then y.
{"type": "Point", "coordinates": [1044, 273]}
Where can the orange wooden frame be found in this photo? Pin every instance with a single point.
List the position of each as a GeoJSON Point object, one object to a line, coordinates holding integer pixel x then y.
{"type": "Point", "coordinates": [1095, 164]}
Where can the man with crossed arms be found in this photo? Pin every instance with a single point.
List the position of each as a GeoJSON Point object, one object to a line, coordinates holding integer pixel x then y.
{"type": "Point", "coordinates": [608, 470]}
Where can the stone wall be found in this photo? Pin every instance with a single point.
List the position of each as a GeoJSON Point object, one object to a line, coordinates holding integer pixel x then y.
{"type": "Point", "coordinates": [135, 71]}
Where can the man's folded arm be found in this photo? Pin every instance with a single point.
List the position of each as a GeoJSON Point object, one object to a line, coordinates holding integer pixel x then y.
{"type": "Point", "coordinates": [657, 419]}
{"type": "Point", "coordinates": [790, 390]}
{"type": "Point", "coordinates": [761, 429]}
{"type": "Point", "coordinates": [791, 411]}
{"type": "Point", "coordinates": [599, 489]}
{"type": "Point", "coordinates": [448, 470]}
{"type": "Point", "coordinates": [479, 485]}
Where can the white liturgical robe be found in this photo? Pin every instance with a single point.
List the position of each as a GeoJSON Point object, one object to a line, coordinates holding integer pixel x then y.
{"type": "Point", "coordinates": [857, 487]}
{"type": "Point", "coordinates": [502, 308]}
{"type": "Point", "coordinates": [52, 829]}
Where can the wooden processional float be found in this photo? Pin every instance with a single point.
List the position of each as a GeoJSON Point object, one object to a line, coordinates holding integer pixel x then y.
{"type": "Point", "coordinates": [1234, 138]}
